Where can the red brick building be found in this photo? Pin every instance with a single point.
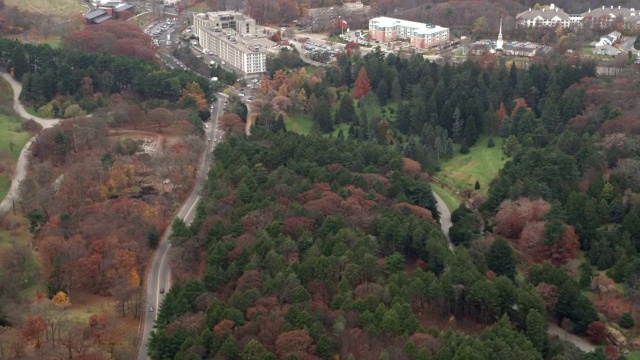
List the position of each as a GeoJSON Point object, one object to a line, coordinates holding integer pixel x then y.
{"type": "Point", "coordinates": [420, 35]}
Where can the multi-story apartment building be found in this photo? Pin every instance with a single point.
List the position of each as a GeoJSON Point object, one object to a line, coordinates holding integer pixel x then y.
{"type": "Point", "coordinates": [420, 35]}
{"type": "Point", "coordinates": [602, 18]}
{"type": "Point", "coordinates": [228, 35]}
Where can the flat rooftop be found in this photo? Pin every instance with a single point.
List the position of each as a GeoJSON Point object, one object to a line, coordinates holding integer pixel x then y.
{"type": "Point", "coordinates": [245, 43]}
{"type": "Point", "coordinates": [421, 28]}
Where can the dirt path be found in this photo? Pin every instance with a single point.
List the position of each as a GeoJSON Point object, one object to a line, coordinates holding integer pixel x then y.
{"type": "Point", "coordinates": [20, 171]}
{"type": "Point", "coordinates": [445, 218]}
{"type": "Point", "coordinates": [579, 342]}
{"type": "Point", "coordinates": [19, 108]}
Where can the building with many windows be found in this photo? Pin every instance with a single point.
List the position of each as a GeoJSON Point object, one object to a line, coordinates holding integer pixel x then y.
{"type": "Point", "coordinates": [551, 16]}
{"type": "Point", "coordinates": [420, 35]}
{"type": "Point", "coordinates": [230, 36]}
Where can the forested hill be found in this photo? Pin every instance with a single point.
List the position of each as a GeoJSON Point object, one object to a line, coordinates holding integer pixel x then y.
{"type": "Point", "coordinates": [309, 248]}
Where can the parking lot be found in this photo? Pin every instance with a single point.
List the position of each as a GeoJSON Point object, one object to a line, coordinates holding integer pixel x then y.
{"type": "Point", "coordinates": [163, 33]}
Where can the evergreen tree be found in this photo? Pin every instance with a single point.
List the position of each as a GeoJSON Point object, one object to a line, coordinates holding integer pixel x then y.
{"type": "Point", "coordinates": [626, 321]}
{"type": "Point", "coordinates": [470, 131]}
{"type": "Point", "coordinates": [457, 126]}
{"type": "Point", "coordinates": [501, 259]}
{"type": "Point", "coordinates": [346, 111]}
{"type": "Point", "coordinates": [322, 115]}
{"type": "Point", "coordinates": [279, 125]}
{"type": "Point", "coordinates": [448, 149]}
{"type": "Point", "coordinates": [153, 238]}
{"type": "Point", "coordinates": [477, 185]}
{"type": "Point", "coordinates": [464, 148]}
{"type": "Point", "coordinates": [396, 90]}
{"type": "Point", "coordinates": [505, 128]}
{"type": "Point", "coordinates": [536, 329]}
{"type": "Point", "coordinates": [383, 92]}
{"type": "Point", "coordinates": [403, 120]}
{"type": "Point", "coordinates": [19, 63]}
{"type": "Point", "coordinates": [490, 143]}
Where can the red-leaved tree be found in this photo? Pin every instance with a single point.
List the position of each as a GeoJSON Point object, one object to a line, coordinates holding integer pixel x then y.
{"type": "Point", "coordinates": [514, 215]}
{"type": "Point", "coordinates": [362, 86]}
{"type": "Point", "coordinates": [597, 332]}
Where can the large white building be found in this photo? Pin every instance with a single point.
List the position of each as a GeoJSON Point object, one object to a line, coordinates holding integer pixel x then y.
{"type": "Point", "coordinates": [553, 16]}
{"type": "Point", "coordinates": [229, 35]}
{"type": "Point", "coordinates": [420, 35]}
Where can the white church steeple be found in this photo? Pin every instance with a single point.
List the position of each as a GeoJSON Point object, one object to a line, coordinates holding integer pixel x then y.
{"type": "Point", "coordinates": [499, 43]}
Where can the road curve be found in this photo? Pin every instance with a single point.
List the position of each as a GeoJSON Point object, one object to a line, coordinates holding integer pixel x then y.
{"type": "Point", "coordinates": [19, 108]}
{"type": "Point", "coordinates": [159, 276]}
{"type": "Point", "coordinates": [20, 171]}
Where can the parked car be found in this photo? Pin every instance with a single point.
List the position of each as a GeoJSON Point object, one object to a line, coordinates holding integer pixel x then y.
{"type": "Point", "coordinates": [161, 290]}
{"type": "Point", "coordinates": [151, 309]}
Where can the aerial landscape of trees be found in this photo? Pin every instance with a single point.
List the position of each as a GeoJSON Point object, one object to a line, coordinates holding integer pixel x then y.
{"type": "Point", "coordinates": [318, 234]}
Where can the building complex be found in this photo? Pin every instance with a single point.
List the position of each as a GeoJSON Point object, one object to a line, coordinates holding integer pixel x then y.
{"type": "Point", "coordinates": [553, 16]}
{"type": "Point", "coordinates": [230, 36]}
{"type": "Point", "coordinates": [420, 35]}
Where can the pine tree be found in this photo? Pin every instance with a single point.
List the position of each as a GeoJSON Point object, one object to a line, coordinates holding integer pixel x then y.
{"type": "Point", "coordinates": [464, 148]}
{"type": "Point", "coordinates": [19, 63]}
{"type": "Point", "coordinates": [490, 143]}
{"type": "Point", "coordinates": [382, 92]}
{"type": "Point", "coordinates": [362, 85]}
{"type": "Point", "coordinates": [470, 131]}
{"type": "Point", "coordinates": [396, 90]}
{"type": "Point", "coordinates": [477, 185]}
{"type": "Point", "coordinates": [457, 127]}
{"type": "Point", "coordinates": [346, 111]}
{"type": "Point", "coordinates": [322, 115]}
{"type": "Point", "coordinates": [448, 149]}
{"type": "Point", "coordinates": [501, 259]}
{"type": "Point", "coordinates": [536, 329]}
{"type": "Point", "coordinates": [505, 127]}
{"type": "Point", "coordinates": [626, 321]}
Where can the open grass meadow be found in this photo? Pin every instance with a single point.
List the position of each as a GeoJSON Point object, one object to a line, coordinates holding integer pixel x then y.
{"type": "Point", "coordinates": [299, 123]}
{"type": "Point", "coordinates": [61, 8]}
{"type": "Point", "coordinates": [480, 164]}
{"type": "Point", "coordinates": [635, 355]}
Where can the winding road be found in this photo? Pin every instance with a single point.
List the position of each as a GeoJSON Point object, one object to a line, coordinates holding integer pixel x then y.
{"type": "Point", "coordinates": [159, 276]}
{"type": "Point", "coordinates": [23, 160]}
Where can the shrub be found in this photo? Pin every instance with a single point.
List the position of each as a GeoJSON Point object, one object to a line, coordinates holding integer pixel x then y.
{"type": "Point", "coordinates": [490, 143]}
{"type": "Point", "coordinates": [626, 321]}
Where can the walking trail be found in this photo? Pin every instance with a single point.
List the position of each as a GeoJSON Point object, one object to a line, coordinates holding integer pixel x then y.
{"type": "Point", "coordinates": [23, 160]}
{"type": "Point", "coordinates": [553, 329]}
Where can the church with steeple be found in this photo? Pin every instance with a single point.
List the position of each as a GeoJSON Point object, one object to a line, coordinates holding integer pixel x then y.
{"type": "Point", "coordinates": [499, 43]}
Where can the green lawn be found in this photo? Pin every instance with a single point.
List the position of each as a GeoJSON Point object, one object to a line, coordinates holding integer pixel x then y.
{"type": "Point", "coordinates": [635, 355]}
{"type": "Point", "coordinates": [32, 110]}
{"type": "Point", "coordinates": [448, 198]}
{"type": "Point", "coordinates": [50, 7]}
{"type": "Point", "coordinates": [345, 130]}
{"type": "Point", "coordinates": [299, 123]}
{"type": "Point", "coordinates": [53, 43]}
{"type": "Point", "coordinates": [481, 163]}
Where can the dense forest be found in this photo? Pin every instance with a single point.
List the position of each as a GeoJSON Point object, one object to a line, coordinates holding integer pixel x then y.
{"type": "Point", "coordinates": [56, 79]}
{"type": "Point", "coordinates": [278, 215]}
{"type": "Point", "coordinates": [314, 248]}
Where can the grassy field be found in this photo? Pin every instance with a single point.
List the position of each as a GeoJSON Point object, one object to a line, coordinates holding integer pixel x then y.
{"type": "Point", "coordinates": [635, 355]}
{"type": "Point", "coordinates": [451, 201]}
{"type": "Point", "coordinates": [51, 7]}
{"type": "Point", "coordinates": [481, 163]}
{"type": "Point", "coordinates": [299, 123]}
{"type": "Point", "coordinates": [12, 137]}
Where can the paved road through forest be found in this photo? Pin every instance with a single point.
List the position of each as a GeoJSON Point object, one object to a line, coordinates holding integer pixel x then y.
{"type": "Point", "coordinates": [159, 276]}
